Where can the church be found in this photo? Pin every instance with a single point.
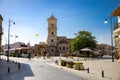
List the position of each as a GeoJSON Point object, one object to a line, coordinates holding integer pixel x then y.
{"type": "Point", "coordinates": [55, 45]}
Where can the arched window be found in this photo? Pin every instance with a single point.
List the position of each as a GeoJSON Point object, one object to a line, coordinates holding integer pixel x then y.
{"type": "Point", "coordinates": [52, 33]}
{"type": "Point", "coordinates": [63, 48]}
{"type": "Point", "coordinates": [52, 50]}
{"type": "Point", "coordinates": [66, 48]}
{"type": "Point", "coordinates": [52, 26]}
{"type": "Point", "coordinates": [52, 40]}
{"type": "Point", "coordinates": [60, 48]}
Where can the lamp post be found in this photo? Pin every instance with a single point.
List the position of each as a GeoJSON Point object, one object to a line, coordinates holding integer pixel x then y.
{"type": "Point", "coordinates": [10, 21]}
{"type": "Point", "coordinates": [110, 18]}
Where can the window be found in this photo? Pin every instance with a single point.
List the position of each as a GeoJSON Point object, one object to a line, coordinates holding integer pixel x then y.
{"type": "Point", "coordinates": [66, 48]}
{"type": "Point", "coordinates": [63, 48]}
{"type": "Point", "coordinates": [52, 26]}
{"type": "Point", "coordinates": [52, 33]}
{"type": "Point", "coordinates": [60, 48]}
{"type": "Point", "coordinates": [52, 50]}
{"type": "Point", "coordinates": [52, 40]}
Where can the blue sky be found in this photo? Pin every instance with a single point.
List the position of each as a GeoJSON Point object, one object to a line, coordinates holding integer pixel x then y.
{"type": "Point", "coordinates": [31, 16]}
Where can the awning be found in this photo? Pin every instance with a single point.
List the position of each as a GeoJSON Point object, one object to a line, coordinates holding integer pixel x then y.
{"type": "Point", "coordinates": [23, 48]}
{"type": "Point", "coordinates": [86, 49]}
{"type": "Point", "coordinates": [96, 53]}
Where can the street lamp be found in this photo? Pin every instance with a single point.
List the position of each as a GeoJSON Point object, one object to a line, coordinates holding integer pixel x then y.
{"type": "Point", "coordinates": [110, 18]}
{"type": "Point", "coordinates": [10, 21]}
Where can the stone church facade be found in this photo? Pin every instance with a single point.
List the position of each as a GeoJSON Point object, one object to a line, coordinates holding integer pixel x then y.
{"type": "Point", "coordinates": [55, 45]}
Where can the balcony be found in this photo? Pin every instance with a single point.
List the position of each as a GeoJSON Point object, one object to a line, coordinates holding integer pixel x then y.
{"type": "Point", "coordinates": [117, 29]}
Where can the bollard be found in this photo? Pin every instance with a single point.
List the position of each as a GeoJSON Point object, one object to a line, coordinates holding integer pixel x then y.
{"type": "Point", "coordinates": [88, 70]}
{"type": "Point", "coordinates": [8, 69]}
{"type": "Point", "coordinates": [18, 66]}
{"type": "Point", "coordinates": [102, 73]}
{"type": "Point", "coordinates": [56, 62]}
{"type": "Point", "coordinates": [16, 62]}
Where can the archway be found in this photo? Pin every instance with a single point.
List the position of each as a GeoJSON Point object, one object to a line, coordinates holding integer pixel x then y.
{"type": "Point", "coordinates": [41, 51]}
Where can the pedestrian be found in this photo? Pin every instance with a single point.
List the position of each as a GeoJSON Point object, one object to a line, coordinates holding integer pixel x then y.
{"type": "Point", "coordinates": [29, 56]}
{"type": "Point", "coordinates": [117, 56]}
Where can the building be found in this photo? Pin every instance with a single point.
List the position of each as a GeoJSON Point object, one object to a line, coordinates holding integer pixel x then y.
{"type": "Point", "coordinates": [1, 32]}
{"type": "Point", "coordinates": [15, 45]}
{"type": "Point", "coordinates": [18, 49]}
{"type": "Point", "coordinates": [105, 49]}
{"type": "Point", "coordinates": [116, 31]}
{"type": "Point", "coordinates": [55, 45]}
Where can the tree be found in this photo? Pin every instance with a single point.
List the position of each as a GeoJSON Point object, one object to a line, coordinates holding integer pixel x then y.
{"type": "Point", "coordinates": [83, 39]}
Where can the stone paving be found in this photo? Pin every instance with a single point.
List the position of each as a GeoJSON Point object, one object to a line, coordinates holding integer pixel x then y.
{"type": "Point", "coordinates": [40, 69]}
{"type": "Point", "coordinates": [9, 68]}
{"type": "Point", "coordinates": [111, 69]}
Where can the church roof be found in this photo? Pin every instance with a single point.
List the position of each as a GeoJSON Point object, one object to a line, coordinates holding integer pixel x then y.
{"type": "Point", "coordinates": [63, 41]}
{"type": "Point", "coordinates": [70, 39]}
{"type": "Point", "coordinates": [1, 17]}
{"type": "Point", "coordinates": [116, 12]}
{"type": "Point", "coordinates": [52, 17]}
{"type": "Point", "coordinates": [61, 37]}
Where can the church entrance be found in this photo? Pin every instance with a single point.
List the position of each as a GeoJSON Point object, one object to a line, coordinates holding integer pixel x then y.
{"type": "Point", "coordinates": [41, 51]}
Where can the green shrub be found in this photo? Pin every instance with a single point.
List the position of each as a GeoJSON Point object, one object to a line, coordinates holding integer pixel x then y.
{"type": "Point", "coordinates": [14, 54]}
{"type": "Point", "coordinates": [11, 54]}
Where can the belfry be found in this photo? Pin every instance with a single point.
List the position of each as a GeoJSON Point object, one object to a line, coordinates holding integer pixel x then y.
{"type": "Point", "coordinates": [55, 45]}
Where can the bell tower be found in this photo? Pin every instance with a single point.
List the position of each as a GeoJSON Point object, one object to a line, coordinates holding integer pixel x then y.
{"type": "Point", "coordinates": [52, 31]}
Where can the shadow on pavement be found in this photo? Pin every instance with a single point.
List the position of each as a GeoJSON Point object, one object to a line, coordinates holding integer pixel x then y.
{"type": "Point", "coordinates": [108, 78]}
{"type": "Point", "coordinates": [16, 73]}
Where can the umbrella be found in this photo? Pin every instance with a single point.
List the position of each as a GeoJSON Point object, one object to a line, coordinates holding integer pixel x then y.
{"type": "Point", "coordinates": [23, 48]}
{"type": "Point", "coordinates": [96, 53]}
{"type": "Point", "coordinates": [86, 49]}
